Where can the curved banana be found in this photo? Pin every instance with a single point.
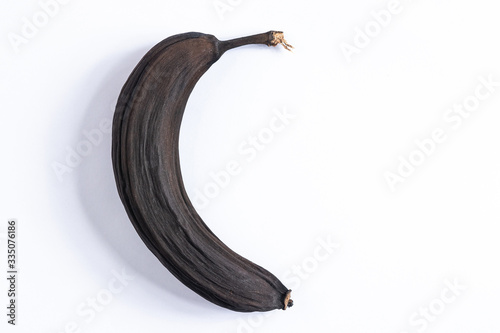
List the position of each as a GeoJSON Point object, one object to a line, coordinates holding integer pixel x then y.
{"type": "Point", "coordinates": [145, 155]}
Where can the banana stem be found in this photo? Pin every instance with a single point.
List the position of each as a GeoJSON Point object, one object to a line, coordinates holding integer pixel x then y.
{"type": "Point", "coordinates": [271, 38]}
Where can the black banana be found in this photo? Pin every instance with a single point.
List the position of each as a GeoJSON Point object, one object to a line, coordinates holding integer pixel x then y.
{"type": "Point", "coordinates": [146, 166]}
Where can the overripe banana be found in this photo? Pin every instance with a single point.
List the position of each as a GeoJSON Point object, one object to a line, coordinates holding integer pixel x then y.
{"type": "Point", "coordinates": [146, 165]}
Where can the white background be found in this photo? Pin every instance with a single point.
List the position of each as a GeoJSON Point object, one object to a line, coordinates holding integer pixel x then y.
{"type": "Point", "coordinates": [322, 178]}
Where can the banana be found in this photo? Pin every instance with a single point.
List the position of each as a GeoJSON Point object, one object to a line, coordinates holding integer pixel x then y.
{"type": "Point", "coordinates": [147, 171]}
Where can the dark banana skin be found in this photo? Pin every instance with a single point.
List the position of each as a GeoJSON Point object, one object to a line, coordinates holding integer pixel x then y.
{"type": "Point", "coordinates": [146, 166]}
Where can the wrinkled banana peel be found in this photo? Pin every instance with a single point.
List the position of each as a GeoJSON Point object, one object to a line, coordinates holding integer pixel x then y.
{"type": "Point", "coordinates": [145, 155]}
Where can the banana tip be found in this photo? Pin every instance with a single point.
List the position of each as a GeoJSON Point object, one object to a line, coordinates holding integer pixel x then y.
{"type": "Point", "coordinates": [288, 303]}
